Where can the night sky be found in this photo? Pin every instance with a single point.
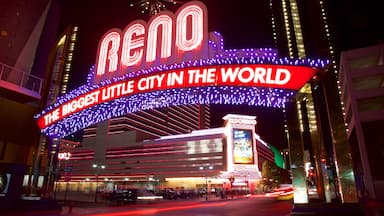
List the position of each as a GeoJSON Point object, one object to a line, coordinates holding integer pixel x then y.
{"type": "Point", "coordinates": [243, 24]}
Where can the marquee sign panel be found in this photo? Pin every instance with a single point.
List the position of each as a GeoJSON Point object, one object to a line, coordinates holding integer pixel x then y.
{"type": "Point", "coordinates": [173, 60]}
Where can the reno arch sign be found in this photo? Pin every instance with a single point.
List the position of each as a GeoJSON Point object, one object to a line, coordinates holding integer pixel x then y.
{"type": "Point", "coordinates": [173, 60]}
{"type": "Point", "coordinates": [167, 38]}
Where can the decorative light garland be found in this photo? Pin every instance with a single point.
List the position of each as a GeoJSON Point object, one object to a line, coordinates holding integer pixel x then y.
{"type": "Point", "coordinates": [253, 96]}
{"type": "Point", "coordinates": [200, 95]}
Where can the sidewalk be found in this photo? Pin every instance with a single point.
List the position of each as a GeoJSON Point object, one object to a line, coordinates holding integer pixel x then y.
{"type": "Point", "coordinates": [328, 209]}
{"type": "Point", "coordinates": [338, 209]}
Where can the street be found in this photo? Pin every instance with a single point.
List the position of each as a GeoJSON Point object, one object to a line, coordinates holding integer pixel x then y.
{"type": "Point", "coordinates": [236, 207]}
{"type": "Point", "coordinates": [242, 207]}
{"type": "Point", "coordinates": [256, 205]}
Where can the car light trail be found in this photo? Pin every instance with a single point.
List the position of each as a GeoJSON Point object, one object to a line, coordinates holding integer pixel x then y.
{"type": "Point", "coordinates": [156, 210]}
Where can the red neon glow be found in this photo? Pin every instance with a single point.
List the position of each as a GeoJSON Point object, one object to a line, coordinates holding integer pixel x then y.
{"type": "Point", "coordinates": [148, 154]}
{"type": "Point", "coordinates": [195, 13]}
{"type": "Point", "coordinates": [282, 191]}
{"type": "Point", "coordinates": [133, 43]}
{"type": "Point", "coordinates": [185, 33]}
{"type": "Point", "coordinates": [166, 37]}
{"type": "Point", "coordinates": [82, 158]}
{"type": "Point", "coordinates": [152, 211]}
{"type": "Point", "coordinates": [271, 76]}
{"type": "Point", "coordinates": [112, 40]}
{"type": "Point", "coordinates": [144, 150]}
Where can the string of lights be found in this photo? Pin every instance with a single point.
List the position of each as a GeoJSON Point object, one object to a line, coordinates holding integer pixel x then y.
{"type": "Point", "coordinates": [199, 95]}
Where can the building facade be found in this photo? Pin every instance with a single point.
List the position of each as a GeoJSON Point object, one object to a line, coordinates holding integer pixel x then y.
{"type": "Point", "coordinates": [33, 73]}
{"type": "Point", "coordinates": [21, 86]}
{"type": "Point", "coordinates": [176, 161]}
{"type": "Point", "coordinates": [302, 29]}
{"type": "Point", "coordinates": [154, 123]}
{"type": "Point", "coordinates": [362, 80]}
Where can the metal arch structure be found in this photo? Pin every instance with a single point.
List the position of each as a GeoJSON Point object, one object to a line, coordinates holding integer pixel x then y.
{"type": "Point", "coordinates": [118, 106]}
{"type": "Point", "coordinates": [204, 73]}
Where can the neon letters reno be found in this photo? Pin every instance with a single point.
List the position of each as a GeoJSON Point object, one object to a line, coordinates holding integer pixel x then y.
{"type": "Point", "coordinates": [167, 38]}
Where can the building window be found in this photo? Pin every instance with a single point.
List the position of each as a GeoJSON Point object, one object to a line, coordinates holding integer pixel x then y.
{"type": "Point", "coordinates": [363, 62]}
{"type": "Point", "coordinates": [370, 104]}
{"type": "Point", "coordinates": [368, 82]}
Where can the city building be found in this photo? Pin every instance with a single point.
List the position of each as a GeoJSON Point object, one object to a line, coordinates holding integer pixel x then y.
{"type": "Point", "coordinates": [34, 71]}
{"type": "Point", "coordinates": [295, 23]}
{"type": "Point", "coordinates": [180, 161]}
{"type": "Point", "coordinates": [154, 123]}
{"type": "Point", "coordinates": [327, 28]}
{"type": "Point", "coordinates": [21, 89]}
{"type": "Point", "coordinates": [362, 80]}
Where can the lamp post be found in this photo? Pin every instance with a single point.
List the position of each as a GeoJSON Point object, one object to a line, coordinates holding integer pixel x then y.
{"type": "Point", "coordinates": [65, 147]}
{"type": "Point", "coordinates": [231, 180]}
{"type": "Point", "coordinates": [206, 179]}
{"type": "Point", "coordinates": [97, 167]}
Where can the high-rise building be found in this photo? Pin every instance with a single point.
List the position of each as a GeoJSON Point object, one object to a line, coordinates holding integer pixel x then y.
{"type": "Point", "coordinates": [57, 73]}
{"type": "Point", "coordinates": [302, 29]}
{"type": "Point", "coordinates": [154, 123]}
{"type": "Point", "coordinates": [33, 73]}
{"type": "Point", "coordinates": [24, 25]}
{"type": "Point", "coordinates": [362, 93]}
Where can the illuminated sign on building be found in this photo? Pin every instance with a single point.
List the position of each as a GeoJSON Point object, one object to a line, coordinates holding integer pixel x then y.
{"type": "Point", "coordinates": [242, 121]}
{"type": "Point", "coordinates": [242, 146]}
{"type": "Point", "coordinates": [64, 156]}
{"type": "Point", "coordinates": [173, 60]}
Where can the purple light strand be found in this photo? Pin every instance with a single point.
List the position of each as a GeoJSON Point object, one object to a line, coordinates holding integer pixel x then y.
{"type": "Point", "coordinates": [252, 96]}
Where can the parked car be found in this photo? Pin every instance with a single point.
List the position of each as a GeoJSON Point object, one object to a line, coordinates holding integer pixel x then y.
{"type": "Point", "coordinates": [126, 195]}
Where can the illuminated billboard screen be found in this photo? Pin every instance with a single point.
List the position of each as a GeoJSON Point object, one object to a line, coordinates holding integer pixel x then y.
{"type": "Point", "coordinates": [242, 146]}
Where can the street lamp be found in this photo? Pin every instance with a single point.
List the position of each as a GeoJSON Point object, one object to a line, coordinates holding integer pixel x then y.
{"type": "Point", "coordinates": [231, 180]}
{"type": "Point", "coordinates": [206, 179]}
{"type": "Point", "coordinates": [97, 167]}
